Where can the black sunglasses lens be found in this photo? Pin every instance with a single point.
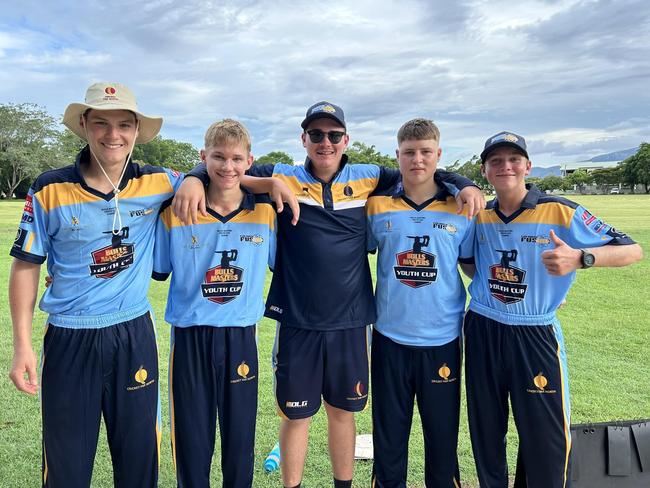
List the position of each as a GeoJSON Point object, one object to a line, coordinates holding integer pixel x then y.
{"type": "Point", "coordinates": [315, 135]}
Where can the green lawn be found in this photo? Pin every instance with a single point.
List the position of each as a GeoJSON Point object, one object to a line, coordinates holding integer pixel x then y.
{"type": "Point", "coordinates": [606, 324]}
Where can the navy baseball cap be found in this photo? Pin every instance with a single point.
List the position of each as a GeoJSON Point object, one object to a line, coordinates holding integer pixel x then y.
{"type": "Point", "coordinates": [508, 139]}
{"type": "Point", "coordinates": [324, 109]}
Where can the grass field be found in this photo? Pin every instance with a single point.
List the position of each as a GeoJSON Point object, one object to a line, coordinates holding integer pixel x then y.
{"type": "Point", "coordinates": [607, 332]}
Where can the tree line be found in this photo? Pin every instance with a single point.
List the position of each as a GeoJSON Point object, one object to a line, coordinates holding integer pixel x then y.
{"type": "Point", "coordinates": [31, 141]}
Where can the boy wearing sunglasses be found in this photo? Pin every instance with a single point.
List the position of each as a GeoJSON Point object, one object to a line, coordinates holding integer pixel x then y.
{"type": "Point", "coordinates": [321, 292]}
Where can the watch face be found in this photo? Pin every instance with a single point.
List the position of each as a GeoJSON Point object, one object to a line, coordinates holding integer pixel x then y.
{"type": "Point", "coordinates": [588, 259]}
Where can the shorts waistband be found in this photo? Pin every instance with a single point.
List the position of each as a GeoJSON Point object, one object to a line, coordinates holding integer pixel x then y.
{"type": "Point", "coordinates": [98, 321]}
{"type": "Point", "coordinates": [512, 318]}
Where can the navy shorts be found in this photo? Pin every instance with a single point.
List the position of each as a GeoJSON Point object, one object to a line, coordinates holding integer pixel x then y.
{"type": "Point", "coordinates": [110, 371]}
{"type": "Point", "coordinates": [310, 363]}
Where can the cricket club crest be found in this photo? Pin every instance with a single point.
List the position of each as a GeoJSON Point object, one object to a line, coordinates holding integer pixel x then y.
{"type": "Point", "coordinates": [415, 267]}
{"type": "Point", "coordinates": [507, 282]}
{"type": "Point", "coordinates": [223, 283]}
{"type": "Point", "coordinates": [111, 260]}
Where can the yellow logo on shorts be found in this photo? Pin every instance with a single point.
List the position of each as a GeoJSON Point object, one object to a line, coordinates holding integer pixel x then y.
{"type": "Point", "coordinates": [540, 383]}
{"type": "Point", "coordinates": [141, 375]}
{"type": "Point", "coordinates": [444, 372]}
{"type": "Point", "coordinates": [243, 369]}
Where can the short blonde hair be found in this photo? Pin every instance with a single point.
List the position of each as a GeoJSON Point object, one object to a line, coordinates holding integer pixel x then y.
{"type": "Point", "coordinates": [227, 132]}
{"type": "Point", "coordinates": [418, 130]}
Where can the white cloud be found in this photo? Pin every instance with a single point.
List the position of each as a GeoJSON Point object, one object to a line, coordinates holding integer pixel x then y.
{"type": "Point", "coordinates": [550, 70]}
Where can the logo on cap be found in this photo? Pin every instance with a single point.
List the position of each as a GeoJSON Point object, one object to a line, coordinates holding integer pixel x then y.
{"type": "Point", "coordinates": [109, 90]}
{"type": "Point", "coordinates": [323, 108]}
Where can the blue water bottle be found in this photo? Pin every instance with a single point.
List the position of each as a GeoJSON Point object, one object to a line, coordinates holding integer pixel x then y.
{"type": "Point", "coordinates": [272, 461]}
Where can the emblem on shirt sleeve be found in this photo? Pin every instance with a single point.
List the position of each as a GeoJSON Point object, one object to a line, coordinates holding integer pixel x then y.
{"type": "Point", "coordinates": [416, 267]}
{"type": "Point", "coordinates": [507, 282]}
{"type": "Point", "coordinates": [224, 282]}
{"type": "Point", "coordinates": [111, 260]}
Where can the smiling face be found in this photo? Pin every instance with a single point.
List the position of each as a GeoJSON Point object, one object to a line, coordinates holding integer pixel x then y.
{"type": "Point", "coordinates": [418, 160]}
{"type": "Point", "coordinates": [506, 168]}
{"type": "Point", "coordinates": [226, 164]}
{"type": "Point", "coordinates": [111, 134]}
{"type": "Point", "coordinates": [325, 156]}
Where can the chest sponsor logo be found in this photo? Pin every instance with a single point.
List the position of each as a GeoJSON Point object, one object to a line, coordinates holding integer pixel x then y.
{"type": "Point", "coordinates": [140, 212]}
{"type": "Point", "coordinates": [29, 207]}
{"type": "Point", "coordinates": [506, 282]}
{"type": "Point", "coordinates": [255, 239]}
{"type": "Point", "coordinates": [416, 267]}
{"type": "Point", "coordinates": [223, 283]}
{"type": "Point", "coordinates": [111, 260]}
{"type": "Point", "coordinates": [451, 228]}
{"type": "Point", "coordinates": [541, 241]}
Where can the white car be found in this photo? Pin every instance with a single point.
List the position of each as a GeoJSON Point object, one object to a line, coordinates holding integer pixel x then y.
{"type": "Point", "coordinates": [615, 191]}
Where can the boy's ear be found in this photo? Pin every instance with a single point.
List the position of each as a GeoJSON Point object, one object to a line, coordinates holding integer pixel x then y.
{"type": "Point", "coordinates": [250, 160]}
{"type": "Point", "coordinates": [529, 165]}
{"type": "Point", "coordinates": [202, 155]}
{"type": "Point", "coordinates": [397, 153]}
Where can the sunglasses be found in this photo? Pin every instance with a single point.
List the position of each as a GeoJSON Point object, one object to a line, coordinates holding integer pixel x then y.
{"type": "Point", "coordinates": [317, 135]}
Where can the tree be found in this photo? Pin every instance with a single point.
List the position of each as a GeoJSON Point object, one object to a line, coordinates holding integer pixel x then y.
{"type": "Point", "coordinates": [636, 168]}
{"type": "Point", "coordinates": [27, 135]}
{"type": "Point", "coordinates": [471, 169]}
{"type": "Point", "coordinates": [606, 177]}
{"type": "Point", "coordinates": [68, 144]}
{"type": "Point", "coordinates": [275, 157]}
{"type": "Point", "coordinates": [358, 152]}
{"type": "Point", "coordinates": [580, 178]}
{"type": "Point", "coordinates": [551, 182]}
{"type": "Point", "coordinates": [170, 153]}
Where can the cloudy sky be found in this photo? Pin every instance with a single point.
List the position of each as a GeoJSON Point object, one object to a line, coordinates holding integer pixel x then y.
{"type": "Point", "coordinates": [573, 77]}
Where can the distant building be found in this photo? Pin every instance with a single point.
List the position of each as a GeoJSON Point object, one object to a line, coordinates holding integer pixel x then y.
{"type": "Point", "coordinates": [588, 166]}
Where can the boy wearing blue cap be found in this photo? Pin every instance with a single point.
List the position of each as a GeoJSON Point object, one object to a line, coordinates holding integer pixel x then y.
{"type": "Point", "coordinates": [527, 249]}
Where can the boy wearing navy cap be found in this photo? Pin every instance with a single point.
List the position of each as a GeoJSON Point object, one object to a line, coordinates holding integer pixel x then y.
{"type": "Point", "coordinates": [527, 249]}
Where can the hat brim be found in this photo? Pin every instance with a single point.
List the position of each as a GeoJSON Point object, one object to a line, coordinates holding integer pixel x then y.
{"type": "Point", "coordinates": [321, 115]}
{"type": "Point", "coordinates": [486, 152]}
{"type": "Point", "coordinates": [149, 125]}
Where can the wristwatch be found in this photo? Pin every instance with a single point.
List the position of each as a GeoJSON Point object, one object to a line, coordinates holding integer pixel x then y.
{"type": "Point", "coordinates": [587, 259]}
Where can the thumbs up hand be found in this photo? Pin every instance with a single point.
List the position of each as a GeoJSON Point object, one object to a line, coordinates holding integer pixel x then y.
{"type": "Point", "coordinates": [561, 260]}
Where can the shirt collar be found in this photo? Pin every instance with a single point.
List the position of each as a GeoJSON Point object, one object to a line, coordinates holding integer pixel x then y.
{"type": "Point", "coordinates": [530, 200]}
{"type": "Point", "coordinates": [309, 168]}
{"type": "Point", "coordinates": [441, 194]}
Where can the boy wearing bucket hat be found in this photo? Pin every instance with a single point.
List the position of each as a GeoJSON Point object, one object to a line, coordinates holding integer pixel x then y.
{"type": "Point", "coordinates": [94, 223]}
{"type": "Point", "coordinates": [527, 249]}
{"type": "Point", "coordinates": [321, 292]}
